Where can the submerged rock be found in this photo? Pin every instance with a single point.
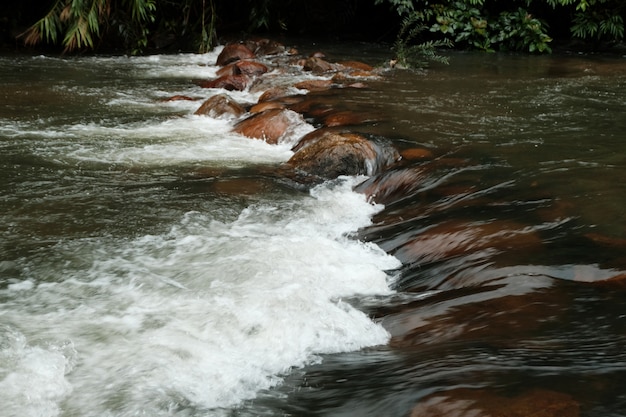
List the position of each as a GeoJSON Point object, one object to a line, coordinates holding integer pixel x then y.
{"type": "Point", "coordinates": [393, 185]}
{"type": "Point", "coordinates": [462, 402]}
{"type": "Point", "coordinates": [328, 154]}
{"type": "Point", "coordinates": [454, 238]}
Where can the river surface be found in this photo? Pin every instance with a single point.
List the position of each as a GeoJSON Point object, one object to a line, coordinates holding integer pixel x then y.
{"type": "Point", "coordinates": [153, 263]}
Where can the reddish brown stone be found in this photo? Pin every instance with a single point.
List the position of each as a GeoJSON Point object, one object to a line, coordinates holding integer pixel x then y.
{"type": "Point", "coordinates": [264, 46]}
{"type": "Point", "coordinates": [230, 69]}
{"type": "Point", "coordinates": [317, 65]}
{"type": "Point", "coordinates": [266, 105]}
{"type": "Point", "coordinates": [220, 105]}
{"type": "Point", "coordinates": [234, 52]}
{"type": "Point", "coordinates": [393, 185]}
{"type": "Point", "coordinates": [314, 85]}
{"type": "Point", "coordinates": [346, 118]}
{"type": "Point", "coordinates": [328, 154]}
{"type": "Point", "coordinates": [180, 98]}
{"type": "Point", "coordinates": [251, 68]}
{"type": "Point", "coordinates": [413, 154]}
{"type": "Point", "coordinates": [269, 125]}
{"type": "Point", "coordinates": [464, 402]}
{"type": "Point", "coordinates": [356, 65]}
{"type": "Point", "coordinates": [227, 82]}
{"type": "Point", "coordinates": [273, 93]}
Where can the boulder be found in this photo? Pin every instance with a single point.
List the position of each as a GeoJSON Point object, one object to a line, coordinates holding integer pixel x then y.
{"type": "Point", "coordinates": [245, 67]}
{"type": "Point", "coordinates": [356, 65]}
{"type": "Point", "coordinates": [266, 105]}
{"type": "Point", "coordinates": [220, 105]}
{"type": "Point", "coordinates": [462, 402]}
{"type": "Point", "coordinates": [227, 82]}
{"type": "Point", "coordinates": [328, 154]}
{"type": "Point", "coordinates": [314, 85]}
{"type": "Point", "coordinates": [265, 46]}
{"type": "Point", "coordinates": [234, 52]}
{"type": "Point", "coordinates": [274, 93]}
{"type": "Point", "coordinates": [317, 65]}
{"type": "Point", "coordinates": [269, 125]}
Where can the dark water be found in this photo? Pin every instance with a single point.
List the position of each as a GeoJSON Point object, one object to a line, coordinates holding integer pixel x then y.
{"type": "Point", "coordinates": [152, 263]}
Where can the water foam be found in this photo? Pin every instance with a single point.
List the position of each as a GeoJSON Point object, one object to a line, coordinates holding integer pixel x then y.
{"type": "Point", "coordinates": [206, 315]}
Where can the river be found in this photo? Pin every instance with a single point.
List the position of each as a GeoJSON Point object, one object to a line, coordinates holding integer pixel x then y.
{"type": "Point", "coordinates": [153, 262]}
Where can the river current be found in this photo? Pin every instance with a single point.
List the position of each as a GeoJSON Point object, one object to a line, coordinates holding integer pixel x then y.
{"type": "Point", "coordinates": [153, 262]}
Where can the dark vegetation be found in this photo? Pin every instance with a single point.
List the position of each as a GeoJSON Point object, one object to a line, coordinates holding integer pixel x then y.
{"type": "Point", "coordinates": [416, 27]}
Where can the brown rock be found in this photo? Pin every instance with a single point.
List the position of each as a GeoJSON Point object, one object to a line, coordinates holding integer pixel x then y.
{"type": "Point", "coordinates": [220, 105]}
{"type": "Point", "coordinates": [266, 105]}
{"type": "Point", "coordinates": [227, 82]}
{"type": "Point", "coordinates": [230, 69]}
{"type": "Point", "coordinates": [273, 93]}
{"type": "Point", "coordinates": [346, 118]}
{"type": "Point", "coordinates": [180, 98]}
{"type": "Point", "coordinates": [251, 68]}
{"type": "Point", "coordinates": [317, 65]}
{"type": "Point", "coordinates": [393, 185]}
{"type": "Point", "coordinates": [464, 402]}
{"type": "Point", "coordinates": [264, 46]}
{"type": "Point", "coordinates": [269, 125]}
{"type": "Point", "coordinates": [234, 52]}
{"type": "Point", "coordinates": [314, 85]}
{"type": "Point", "coordinates": [356, 65]}
{"type": "Point", "coordinates": [329, 154]}
{"type": "Point", "coordinates": [413, 154]}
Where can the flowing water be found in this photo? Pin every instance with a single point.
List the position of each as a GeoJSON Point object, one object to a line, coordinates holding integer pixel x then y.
{"type": "Point", "coordinates": [153, 263]}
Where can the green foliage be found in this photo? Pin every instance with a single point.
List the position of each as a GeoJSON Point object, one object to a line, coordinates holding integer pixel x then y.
{"type": "Point", "coordinates": [410, 55]}
{"type": "Point", "coordinates": [520, 31]}
{"type": "Point", "coordinates": [468, 26]}
{"type": "Point", "coordinates": [80, 22]}
{"type": "Point", "coordinates": [479, 24]}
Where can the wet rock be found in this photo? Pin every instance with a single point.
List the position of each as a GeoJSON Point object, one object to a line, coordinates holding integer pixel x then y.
{"type": "Point", "coordinates": [245, 67]}
{"type": "Point", "coordinates": [485, 307]}
{"type": "Point", "coordinates": [266, 105]}
{"type": "Point", "coordinates": [227, 82]}
{"type": "Point", "coordinates": [328, 154]}
{"type": "Point", "coordinates": [314, 85]}
{"type": "Point", "coordinates": [220, 105]}
{"type": "Point", "coordinates": [251, 68]}
{"type": "Point", "coordinates": [274, 93]}
{"type": "Point", "coordinates": [454, 238]}
{"type": "Point", "coordinates": [356, 65]}
{"type": "Point", "coordinates": [416, 154]}
{"type": "Point", "coordinates": [270, 125]}
{"type": "Point", "coordinates": [317, 65]}
{"type": "Point", "coordinates": [234, 52]}
{"type": "Point", "coordinates": [464, 402]}
{"type": "Point", "coordinates": [265, 46]}
{"type": "Point", "coordinates": [180, 98]}
{"type": "Point", "coordinates": [347, 118]}
{"type": "Point", "coordinates": [393, 185]}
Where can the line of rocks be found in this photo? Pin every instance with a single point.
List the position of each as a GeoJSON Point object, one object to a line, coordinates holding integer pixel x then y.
{"type": "Point", "coordinates": [332, 149]}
